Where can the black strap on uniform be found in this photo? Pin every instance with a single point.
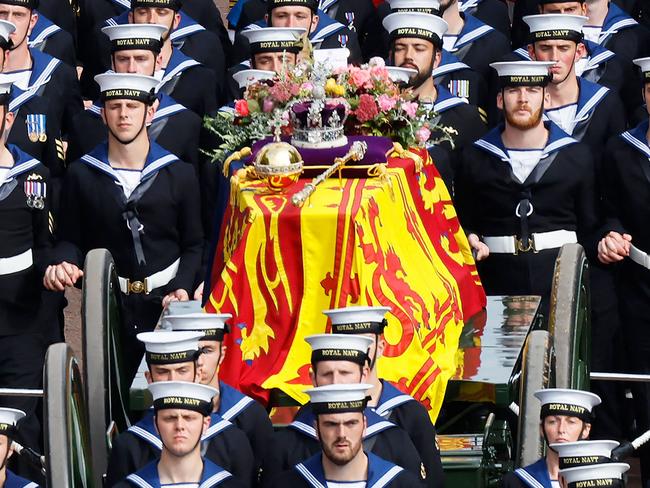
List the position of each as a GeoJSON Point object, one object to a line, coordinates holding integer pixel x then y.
{"type": "Point", "coordinates": [131, 217]}
{"type": "Point", "coordinates": [523, 209]}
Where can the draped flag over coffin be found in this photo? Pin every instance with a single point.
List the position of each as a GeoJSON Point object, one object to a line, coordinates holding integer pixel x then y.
{"type": "Point", "coordinates": [390, 240]}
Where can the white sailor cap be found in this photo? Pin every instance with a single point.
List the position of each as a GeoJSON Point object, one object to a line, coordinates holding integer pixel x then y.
{"type": "Point", "coordinates": [358, 320]}
{"type": "Point", "coordinates": [339, 398]}
{"type": "Point", "coordinates": [182, 395]}
{"type": "Point", "coordinates": [213, 325]}
{"type": "Point", "coordinates": [523, 73]}
{"type": "Point", "coordinates": [9, 418]}
{"type": "Point", "coordinates": [247, 77]}
{"type": "Point", "coordinates": [274, 39]}
{"type": "Point", "coordinates": [339, 347]}
{"type": "Point", "coordinates": [170, 347]}
{"type": "Point", "coordinates": [422, 6]}
{"type": "Point", "coordinates": [572, 403]}
{"type": "Point", "coordinates": [6, 29]}
{"type": "Point", "coordinates": [401, 75]}
{"type": "Point", "coordinates": [644, 64]}
{"type": "Point", "coordinates": [135, 36]}
{"type": "Point", "coordinates": [6, 81]}
{"type": "Point", "coordinates": [583, 453]}
{"type": "Point", "coordinates": [126, 86]}
{"type": "Point", "coordinates": [607, 475]}
{"type": "Point", "coordinates": [414, 24]}
{"type": "Point", "coordinates": [180, 308]}
{"type": "Point", "coordinates": [555, 26]}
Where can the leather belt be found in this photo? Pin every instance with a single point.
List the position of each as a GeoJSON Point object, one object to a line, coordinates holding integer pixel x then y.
{"type": "Point", "coordinates": [16, 263]}
{"type": "Point", "coordinates": [639, 257]}
{"type": "Point", "coordinates": [537, 242]}
{"type": "Point", "coordinates": [156, 280]}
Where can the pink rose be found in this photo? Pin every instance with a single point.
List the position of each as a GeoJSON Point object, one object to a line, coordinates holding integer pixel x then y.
{"type": "Point", "coordinates": [307, 86]}
{"type": "Point", "coordinates": [360, 78]}
{"type": "Point", "coordinates": [367, 109]}
{"type": "Point", "coordinates": [386, 103]}
{"type": "Point", "coordinates": [410, 108]}
{"type": "Point", "coordinates": [422, 134]}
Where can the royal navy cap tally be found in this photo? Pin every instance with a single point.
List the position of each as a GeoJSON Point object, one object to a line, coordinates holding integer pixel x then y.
{"type": "Point", "coordinates": [358, 320]}
{"type": "Point", "coordinates": [555, 26]}
{"type": "Point", "coordinates": [169, 347]}
{"type": "Point", "coordinates": [126, 86]}
{"type": "Point", "coordinates": [247, 77]}
{"type": "Point", "coordinates": [413, 24]}
{"type": "Point", "coordinates": [182, 395]}
{"type": "Point", "coordinates": [30, 4]}
{"type": "Point", "coordinates": [605, 475]}
{"type": "Point", "coordinates": [401, 75]}
{"type": "Point", "coordinates": [135, 36]}
{"type": "Point", "coordinates": [274, 39]}
{"type": "Point", "coordinates": [6, 29]}
{"type": "Point", "coordinates": [9, 418]}
{"type": "Point", "coordinates": [644, 65]}
{"type": "Point", "coordinates": [339, 398]}
{"type": "Point", "coordinates": [422, 6]}
{"type": "Point", "coordinates": [172, 4]}
{"type": "Point", "coordinates": [212, 325]}
{"type": "Point", "coordinates": [523, 73]}
{"type": "Point", "coordinates": [310, 4]}
{"type": "Point", "coordinates": [339, 347]}
{"type": "Point", "coordinates": [583, 453]}
{"type": "Point", "coordinates": [572, 403]}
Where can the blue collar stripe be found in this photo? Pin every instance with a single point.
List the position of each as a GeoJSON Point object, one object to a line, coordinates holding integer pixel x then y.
{"type": "Point", "coordinates": [448, 68]}
{"type": "Point", "coordinates": [111, 22]}
{"type": "Point", "coordinates": [526, 477]}
{"type": "Point", "coordinates": [169, 110]}
{"type": "Point", "coordinates": [138, 481]}
{"type": "Point", "coordinates": [100, 165]}
{"type": "Point", "coordinates": [46, 73]}
{"type": "Point", "coordinates": [310, 478]}
{"type": "Point", "coordinates": [186, 31]}
{"type": "Point", "coordinates": [146, 436]}
{"type": "Point", "coordinates": [388, 406]}
{"type": "Point", "coordinates": [448, 103]}
{"type": "Point", "coordinates": [325, 4]}
{"type": "Point", "coordinates": [472, 36]}
{"type": "Point", "coordinates": [96, 109]}
{"type": "Point", "coordinates": [492, 148]}
{"type": "Point", "coordinates": [304, 428]}
{"type": "Point", "coordinates": [252, 26]}
{"type": "Point", "coordinates": [237, 408]}
{"type": "Point", "coordinates": [327, 31]}
{"type": "Point", "coordinates": [43, 35]}
{"type": "Point", "coordinates": [633, 141]}
{"type": "Point", "coordinates": [214, 480]}
{"type": "Point", "coordinates": [591, 103]}
{"type": "Point", "coordinates": [188, 63]}
{"type": "Point", "coordinates": [215, 429]}
{"type": "Point", "coordinates": [387, 477]}
{"type": "Point", "coordinates": [21, 99]}
{"type": "Point", "coordinates": [124, 3]}
{"type": "Point", "coordinates": [467, 5]}
{"type": "Point", "coordinates": [523, 53]}
{"type": "Point", "coordinates": [378, 427]}
{"type": "Point", "coordinates": [599, 58]}
{"type": "Point", "coordinates": [614, 28]}
{"type": "Point", "coordinates": [158, 164]}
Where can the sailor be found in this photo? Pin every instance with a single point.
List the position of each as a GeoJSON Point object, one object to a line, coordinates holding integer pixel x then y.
{"type": "Point", "coordinates": [232, 405]}
{"type": "Point", "coordinates": [626, 241]}
{"type": "Point", "coordinates": [271, 49]}
{"type": "Point", "coordinates": [565, 416]}
{"type": "Point", "coordinates": [385, 399]}
{"type": "Point", "coordinates": [324, 32]}
{"type": "Point", "coordinates": [137, 200]}
{"type": "Point", "coordinates": [416, 42]}
{"type": "Point", "coordinates": [181, 418]}
{"type": "Point", "coordinates": [173, 356]}
{"type": "Point", "coordinates": [524, 189]}
{"type": "Point", "coordinates": [341, 428]}
{"type": "Point", "coordinates": [606, 474]}
{"type": "Point", "coordinates": [341, 359]}
{"type": "Point", "coordinates": [135, 49]}
{"type": "Point", "coordinates": [33, 70]}
{"type": "Point", "coordinates": [48, 37]}
{"type": "Point", "coordinates": [492, 12]}
{"type": "Point", "coordinates": [25, 245]}
{"type": "Point", "coordinates": [9, 418]}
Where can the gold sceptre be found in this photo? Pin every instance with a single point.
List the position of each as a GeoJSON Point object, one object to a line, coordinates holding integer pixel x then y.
{"type": "Point", "coordinates": [356, 153]}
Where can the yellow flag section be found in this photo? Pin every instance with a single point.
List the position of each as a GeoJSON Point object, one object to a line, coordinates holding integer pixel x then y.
{"type": "Point", "coordinates": [392, 240]}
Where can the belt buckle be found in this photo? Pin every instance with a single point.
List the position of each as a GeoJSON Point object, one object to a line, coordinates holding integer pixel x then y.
{"type": "Point", "coordinates": [520, 248]}
{"type": "Point", "coordinates": [135, 287]}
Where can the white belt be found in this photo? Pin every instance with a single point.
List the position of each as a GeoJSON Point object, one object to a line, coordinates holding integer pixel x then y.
{"type": "Point", "coordinates": [639, 257]}
{"type": "Point", "coordinates": [156, 280]}
{"type": "Point", "coordinates": [537, 242]}
{"type": "Point", "coordinates": [16, 263]}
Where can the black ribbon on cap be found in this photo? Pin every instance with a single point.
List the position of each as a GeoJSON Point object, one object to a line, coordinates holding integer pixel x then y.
{"type": "Point", "coordinates": [556, 34]}
{"type": "Point", "coordinates": [171, 357]}
{"type": "Point", "coordinates": [577, 461]}
{"type": "Point", "coordinates": [183, 403]}
{"type": "Point", "coordinates": [360, 327]}
{"type": "Point", "coordinates": [153, 45]}
{"type": "Point", "coordinates": [147, 97]}
{"type": "Point", "coordinates": [599, 482]}
{"type": "Point", "coordinates": [339, 354]}
{"type": "Point", "coordinates": [172, 4]}
{"type": "Point", "coordinates": [310, 4]}
{"type": "Point", "coordinates": [9, 430]}
{"type": "Point", "coordinates": [420, 10]}
{"type": "Point", "coordinates": [290, 46]}
{"type": "Point", "coordinates": [215, 334]}
{"type": "Point", "coordinates": [566, 409]}
{"type": "Point", "coordinates": [340, 406]}
{"type": "Point", "coordinates": [30, 4]}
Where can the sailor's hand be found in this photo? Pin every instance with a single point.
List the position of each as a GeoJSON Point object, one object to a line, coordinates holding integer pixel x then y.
{"type": "Point", "coordinates": [59, 276]}
{"type": "Point", "coordinates": [614, 247]}
{"type": "Point", "coordinates": [198, 293]}
{"type": "Point", "coordinates": [179, 295]}
{"type": "Point", "coordinates": [482, 251]}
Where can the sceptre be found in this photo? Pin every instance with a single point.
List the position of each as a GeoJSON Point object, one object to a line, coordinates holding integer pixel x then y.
{"type": "Point", "coordinates": [356, 153]}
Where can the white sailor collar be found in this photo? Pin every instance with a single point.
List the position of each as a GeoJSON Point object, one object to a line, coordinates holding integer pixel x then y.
{"type": "Point", "coordinates": [380, 471]}
{"type": "Point", "coordinates": [472, 30]}
{"type": "Point", "coordinates": [146, 430]}
{"type": "Point", "coordinates": [14, 481]}
{"type": "Point", "coordinates": [147, 477]}
{"type": "Point", "coordinates": [615, 20]}
{"type": "Point", "coordinates": [535, 475]}
{"type": "Point", "coordinates": [596, 54]}
{"type": "Point", "coordinates": [305, 421]}
{"type": "Point", "coordinates": [448, 64]}
{"type": "Point", "coordinates": [637, 138]}
{"type": "Point", "coordinates": [18, 97]}
{"type": "Point", "coordinates": [43, 29]}
{"type": "Point", "coordinates": [390, 399]}
{"type": "Point", "coordinates": [157, 158]}
{"type": "Point", "coordinates": [23, 163]}
{"type": "Point", "coordinates": [590, 95]}
{"type": "Point", "coordinates": [492, 142]}
{"type": "Point", "coordinates": [232, 402]}
{"type": "Point", "coordinates": [446, 101]}
{"type": "Point", "coordinates": [43, 65]}
{"type": "Point", "coordinates": [178, 63]}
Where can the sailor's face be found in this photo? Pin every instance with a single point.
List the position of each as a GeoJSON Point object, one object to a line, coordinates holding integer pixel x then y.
{"type": "Point", "coordinates": [562, 428]}
{"type": "Point", "coordinates": [293, 16]}
{"type": "Point", "coordinates": [338, 373]}
{"type": "Point", "coordinates": [172, 372]}
{"type": "Point", "coordinates": [341, 435]}
{"type": "Point", "coordinates": [563, 53]}
{"type": "Point", "coordinates": [414, 53]}
{"type": "Point", "coordinates": [23, 18]}
{"type": "Point", "coordinates": [569, 8]}
{"type": "Point", "coordinates": [140, 61]}
{"type": "Point", "coordinates": [522, 105]}
{"type": "Point", "coordinates": [6, 450]}
{"type": "Point", "coordinates": [209, 360]}
{"type": "Point", "coordinates": [274, 61]}
{"type": "Point", "coordinates": [180, 430]}
{"type": "Point", "coordinates": [646, 96]}
{"type": "Point", "coordinates": [156, 15]}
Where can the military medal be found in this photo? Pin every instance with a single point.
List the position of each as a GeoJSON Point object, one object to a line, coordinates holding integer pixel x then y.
{"type": "Point", "coordinates": [36, 127]}
{"type": "Point", "coordinates": [349, 16]}
{"type": "Point", "coordinates": [35, 191]}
